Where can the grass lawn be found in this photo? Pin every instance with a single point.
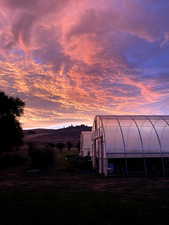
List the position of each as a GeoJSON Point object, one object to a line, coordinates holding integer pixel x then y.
{"type": "Point", "coordinates": [79, 208]}
{"type": "Point", "coordinates": [81, 199]}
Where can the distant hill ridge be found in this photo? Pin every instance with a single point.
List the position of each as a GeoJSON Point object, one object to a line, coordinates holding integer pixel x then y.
{"type": "Point", "coordinates": [64, 135]}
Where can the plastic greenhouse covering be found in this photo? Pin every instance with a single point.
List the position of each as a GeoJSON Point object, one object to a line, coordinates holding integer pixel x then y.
{"type": "Point", "coordinates": [132, 136]}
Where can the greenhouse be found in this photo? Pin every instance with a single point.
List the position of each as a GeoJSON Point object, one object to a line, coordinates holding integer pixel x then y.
{"type": "Point", "coordinates": [85, 144]}
{"type": "Point", "coordinates": [126, 145]}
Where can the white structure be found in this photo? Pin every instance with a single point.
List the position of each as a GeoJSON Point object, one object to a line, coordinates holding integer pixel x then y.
{"type": "Point", "coordinates": [85, 143]}
{"type": "Point", "coordinates": [122, 144]}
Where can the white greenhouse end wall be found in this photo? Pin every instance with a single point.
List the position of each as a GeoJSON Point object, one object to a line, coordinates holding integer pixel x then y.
{"type": "Point", "coordinates": [86, 143]}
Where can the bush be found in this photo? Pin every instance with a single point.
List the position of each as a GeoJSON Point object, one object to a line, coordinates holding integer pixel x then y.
{"type": "Point", "coordinates": [77, 162]}
{"type": "Point", "coordinates": [41, 157]}
{"type": "Point", "coordinates": [60, 146]}
{"type": "Point", "coordinates": [9, 159]}
{"type": "Point", "coordinates": [69, 145]}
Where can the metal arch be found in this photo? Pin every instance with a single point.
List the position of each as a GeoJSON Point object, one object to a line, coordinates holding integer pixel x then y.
{"type": "Point", "coordinates": [159, 141]}
{"type": "Point", "coordinates": [93, 127]}
{"type": "Point", "coordinates": [124, 144]}
{"type": "Point", "coordinates": [164, 121]}
{"type": "Point", "coordinates": [162, 159]}
{"type": "Point", "coordinates": [141, 139]}
{"type": "Point", "coordinates": [104, 135]}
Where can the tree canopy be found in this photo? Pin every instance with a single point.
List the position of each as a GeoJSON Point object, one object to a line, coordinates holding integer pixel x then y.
{"type": "Point", "coordinates": [10, 129]}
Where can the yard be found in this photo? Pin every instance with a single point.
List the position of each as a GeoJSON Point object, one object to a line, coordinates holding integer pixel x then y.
{"type": "Point", "coordinates": [74, 198]}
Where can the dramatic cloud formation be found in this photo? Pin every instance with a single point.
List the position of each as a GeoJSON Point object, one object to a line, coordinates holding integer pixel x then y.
{"type": "Point", "coordinates": [72, 59]}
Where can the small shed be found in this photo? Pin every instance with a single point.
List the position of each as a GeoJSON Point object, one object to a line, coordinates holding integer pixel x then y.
{"type": "Point", "coordinates": [85, 144]}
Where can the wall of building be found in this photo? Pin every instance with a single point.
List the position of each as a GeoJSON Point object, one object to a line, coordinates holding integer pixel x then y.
{"type": "Point", "coordinates": [86, 144]}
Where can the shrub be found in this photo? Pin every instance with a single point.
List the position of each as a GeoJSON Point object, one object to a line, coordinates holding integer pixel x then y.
{"type": "Point", "coordinates": [60, 146]}
{"type": "Point", "coordinates": [13, 159]}
{"type": "Point", "coordinates": [69, 145]}
{"type": "Point", "coordinates": [77, 162]}
{"type": "Point", "coordinates": [78, 146]}
{"type": "Point", "coordinates": [41, 157]}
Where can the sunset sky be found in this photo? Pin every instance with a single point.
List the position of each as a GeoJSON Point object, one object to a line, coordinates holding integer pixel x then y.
{"type": "Point", "coordinates": [72, 59]}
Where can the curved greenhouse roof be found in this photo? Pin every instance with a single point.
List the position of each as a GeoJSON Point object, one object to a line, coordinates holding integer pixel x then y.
{"type": "Point", "coordinates": [133, 135]}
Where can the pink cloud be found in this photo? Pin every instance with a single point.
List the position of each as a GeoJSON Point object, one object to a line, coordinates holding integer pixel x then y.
{"type": "Point", "coordinates": [68, 59]}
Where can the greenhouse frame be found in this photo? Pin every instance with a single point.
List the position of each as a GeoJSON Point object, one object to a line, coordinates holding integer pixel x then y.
{"type": "Point", "coordinates": [131, 144]}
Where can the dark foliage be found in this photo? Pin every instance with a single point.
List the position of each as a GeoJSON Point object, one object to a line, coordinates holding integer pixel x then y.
{"type": "Point", "coordinates": [10, 129]}
{"type": "Point", "coordinates": [8, 160]}
{"type": "Point", "coordinates": [78, 145]}
{"type": "Point", "coordinates": [41, 158]}
{"type": "Point", "coordinates": [10, 106]}
{"type": "Point", "coordinates": [69, 145]}
{"type": "Point", "coordinates": [78, 162]}
{"type": "Point", "coordinates": [60, 146]}
{"type": "Point", "coordinates": [50, 145]}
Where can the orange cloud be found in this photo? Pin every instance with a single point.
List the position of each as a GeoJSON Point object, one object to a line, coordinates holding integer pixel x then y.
{"type": "Point", "coordinates": [70, 60]}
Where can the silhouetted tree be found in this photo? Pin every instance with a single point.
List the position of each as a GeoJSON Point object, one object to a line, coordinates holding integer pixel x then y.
{"type": "Point", "coordinates": [69, 145]}
{"type": "Point", "coordinates": [10, 129]}
{"type": "Point", "coordinates": [60, 146]}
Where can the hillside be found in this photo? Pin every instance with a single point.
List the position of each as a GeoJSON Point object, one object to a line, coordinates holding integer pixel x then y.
{"type": "Point", "coordinates": [43, 136]}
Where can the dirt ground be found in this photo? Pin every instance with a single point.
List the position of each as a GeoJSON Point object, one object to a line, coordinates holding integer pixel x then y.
{"type": "Point", "coordinates": [79, 198]}
{"type": "Point", "coordinates": [75, 181]}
